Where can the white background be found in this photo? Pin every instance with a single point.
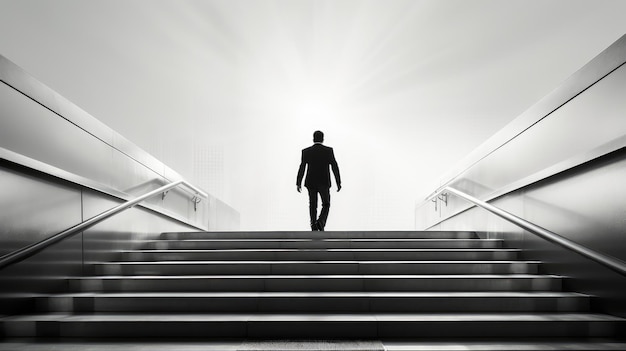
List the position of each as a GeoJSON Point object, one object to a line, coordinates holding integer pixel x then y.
{"type": "Point", "coordinates": [228, 92]}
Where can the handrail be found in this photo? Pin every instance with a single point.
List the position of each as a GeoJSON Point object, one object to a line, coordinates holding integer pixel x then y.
{"type": "Point", "coordinates": [615, 264]}
{"type": "Point", "coordinates": [30, 250]}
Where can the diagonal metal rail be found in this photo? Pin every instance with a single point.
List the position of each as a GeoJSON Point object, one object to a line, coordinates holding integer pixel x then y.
{"type": "Point", "coordinates": [32, 249]}
{"type": "Point", "coordinates": [613, 263]}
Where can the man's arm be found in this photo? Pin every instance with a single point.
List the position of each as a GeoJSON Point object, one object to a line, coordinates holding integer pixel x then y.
{"type": "Point", "coordinates": [335, 167]}
{"type": "Point", "coordinates": [300, 172]}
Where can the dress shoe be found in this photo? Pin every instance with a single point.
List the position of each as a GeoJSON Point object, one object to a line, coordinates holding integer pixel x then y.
{"type": "Point", "coordinates": [319, 226]}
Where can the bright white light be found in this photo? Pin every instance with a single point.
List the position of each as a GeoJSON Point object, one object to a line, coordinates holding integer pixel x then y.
{"type": "Point", "coordinates": [402, 89]}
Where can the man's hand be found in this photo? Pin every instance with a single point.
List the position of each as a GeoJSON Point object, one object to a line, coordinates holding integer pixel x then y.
{"type": "Point", "coordinates": [338, 187]}
{"type": "Point", "coordinates": [299, 188]}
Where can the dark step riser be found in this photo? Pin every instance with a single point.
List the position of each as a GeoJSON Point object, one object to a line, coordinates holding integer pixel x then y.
{"type": "Point", "coordinates": [318, 235]}
{"type": "Point", "coordinates": [315, 284]}
{"type": "Point", "coordinates": [313, 305]}
{"type": "Point", "coordinates": [315, 268]}
{"type": "Point", "coordinates": [321, 256]}
{"type": "Point", "coordinates": [263, 329]}
{"type": "Point", "coordinates": [208, 244]}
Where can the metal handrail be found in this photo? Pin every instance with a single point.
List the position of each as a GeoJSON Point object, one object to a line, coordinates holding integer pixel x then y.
{"type": "Point", "coordinates": [30, 250]}
{"type": "Point", "coordinates": [615, 264]}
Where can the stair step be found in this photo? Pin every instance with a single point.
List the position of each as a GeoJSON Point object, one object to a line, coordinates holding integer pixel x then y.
{"type": "Point", "coordinates": [321, 254]}
{"type": "Point", "coordinates": [322, 235]}
{"type": "Point", "coordinates": [192, 344]}
{"type": "Point", "coordinates": [326, 326]}
{"type": "Point", "coordinates": [307, 243]}
{"type": "Point", "coordinates": [307, 302]}
{"type": "Point", "coordinates": [308, 285]}
{"type": "Point", "coordinates": [315, 283]}
{"type": "Point", "coordinates": [319, 267]}
{"type": "Point", "coordinates": [496, 344]}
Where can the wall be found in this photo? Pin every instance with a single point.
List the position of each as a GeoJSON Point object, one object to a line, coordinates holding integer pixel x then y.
{"type": "Point", "coordinates": [60, 166]}
{"type": "Point", "coordinates": [559, 165]}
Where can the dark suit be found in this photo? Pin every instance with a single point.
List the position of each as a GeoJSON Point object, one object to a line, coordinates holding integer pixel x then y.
{"type": "Point", "coordinates": [318, 158]}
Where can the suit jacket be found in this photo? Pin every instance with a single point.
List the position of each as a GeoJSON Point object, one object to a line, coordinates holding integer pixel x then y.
{"type": "Point", "coordinates": [318, 157]}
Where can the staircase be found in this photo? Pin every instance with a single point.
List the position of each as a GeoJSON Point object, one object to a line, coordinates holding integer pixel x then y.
{"type": "Point", "coordinates": [318, 285]}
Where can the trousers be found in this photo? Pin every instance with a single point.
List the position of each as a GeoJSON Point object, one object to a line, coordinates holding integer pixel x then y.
{"type": "Point", "coordinates": [324, 194]}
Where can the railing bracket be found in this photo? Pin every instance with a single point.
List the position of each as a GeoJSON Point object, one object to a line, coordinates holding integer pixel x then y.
{"type": "Point", "coordinates": [444, 198]}
{"type": "Point", "coordinates": [196, 200]}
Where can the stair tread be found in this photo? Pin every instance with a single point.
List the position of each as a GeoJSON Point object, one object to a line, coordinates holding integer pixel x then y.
{"type": "Point", "coordinates": [316, 317]}
{"type": "Point", "coordinates": [322, 262]}
{"type": "Point", "coordinates": [328, 276]}
{"type": "Point", "coordinates": [515, 294]}
{"type": "Point", "coordinates": [427, 240]}
{"type": "Point", "coordinates": [328, 232]}
{"type": "Point", "coordinates": [321, 235]}
{"type": "Point", "coordinates": [510, 344]}
{"type": "Point", "coordinates": [329, 250]}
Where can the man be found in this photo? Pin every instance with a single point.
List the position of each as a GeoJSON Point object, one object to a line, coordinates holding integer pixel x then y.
{"type": "Point", "coordinates": [318, 158]}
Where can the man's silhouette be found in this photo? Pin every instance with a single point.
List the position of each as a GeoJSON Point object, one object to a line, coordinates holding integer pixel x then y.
{"type": "Point", "coordinates": [318, 158]}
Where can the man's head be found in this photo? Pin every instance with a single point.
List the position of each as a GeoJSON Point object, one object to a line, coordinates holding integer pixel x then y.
{"type": "Point", "coordinates": [318, 137]}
